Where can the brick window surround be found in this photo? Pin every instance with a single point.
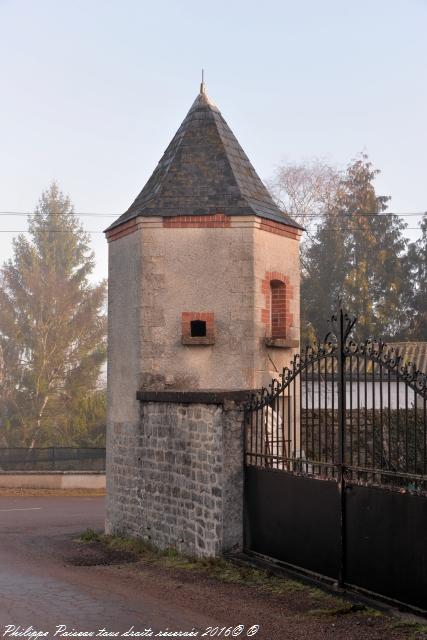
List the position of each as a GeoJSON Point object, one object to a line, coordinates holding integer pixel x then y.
{"type": "Point", "coordinates": [277, 295]}
{"type": "Point", "coordinates": [197, 317]}
{"type": "Point", "coordinates": [278, 309]}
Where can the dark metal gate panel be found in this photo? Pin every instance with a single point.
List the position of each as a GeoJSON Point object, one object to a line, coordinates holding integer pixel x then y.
{"type": "Point", "coordinates": [293, 518]}
{"type": "Point", "coordinates": [386, 543]}
{"type": "Point", "coordinates": [336, 467]}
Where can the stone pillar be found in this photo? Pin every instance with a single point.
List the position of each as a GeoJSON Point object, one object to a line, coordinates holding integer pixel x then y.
{"type": "Point", "coordinates": [179, 472]}
{"type": "Point", "coordinates": [124, 346]}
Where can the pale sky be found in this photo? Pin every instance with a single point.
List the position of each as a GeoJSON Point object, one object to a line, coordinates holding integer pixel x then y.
{"type": "Point", "coordinates": [93, 91]}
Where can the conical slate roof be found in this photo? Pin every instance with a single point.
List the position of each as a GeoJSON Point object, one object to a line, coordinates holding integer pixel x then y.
{"type": "Point", "coordinates": [204, 171]}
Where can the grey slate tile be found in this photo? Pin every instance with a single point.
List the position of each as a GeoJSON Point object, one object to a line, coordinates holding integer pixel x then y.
{"type": "Point", "coordinates": [204, 170]}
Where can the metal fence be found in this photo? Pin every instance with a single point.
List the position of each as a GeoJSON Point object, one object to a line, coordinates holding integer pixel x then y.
{"type": "Point", "coordinates": [345, 410]}
{"type": "Point", "coordinates": [52, 459]}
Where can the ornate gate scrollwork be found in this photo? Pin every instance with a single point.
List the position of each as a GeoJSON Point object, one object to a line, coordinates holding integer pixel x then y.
{"type": "Point", "coordinates": [343, 408]}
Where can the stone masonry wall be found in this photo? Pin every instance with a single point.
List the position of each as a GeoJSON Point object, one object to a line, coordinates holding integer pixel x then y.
{"type": "Point", "coordinates": [178, 477]}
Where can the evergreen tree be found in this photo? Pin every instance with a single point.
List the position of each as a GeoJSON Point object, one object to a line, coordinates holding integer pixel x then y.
{"type": "Point", "coordinates": [324, 272]}
{"type": "Point", "coordinates": [417, 259]}
{"type": "Point", "coordinates": [83, 425]}
{"type": "Point", "coordinates": [52, 324]}
{"type": "Point", "coordinates": [358, 256]}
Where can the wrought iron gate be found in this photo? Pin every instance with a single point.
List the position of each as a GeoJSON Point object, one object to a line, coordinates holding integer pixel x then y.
{"type": "Point", "coordinates": [336, 467]}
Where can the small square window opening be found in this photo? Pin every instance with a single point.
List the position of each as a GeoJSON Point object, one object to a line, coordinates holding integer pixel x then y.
{"type": "Point", "coordinates": [198, 328]}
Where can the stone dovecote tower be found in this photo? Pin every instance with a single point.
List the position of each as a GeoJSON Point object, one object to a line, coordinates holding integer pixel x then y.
{"type": "Point", "coordinates": [203, 271]}
{"type": "Point", "coordinates": [203, 289]}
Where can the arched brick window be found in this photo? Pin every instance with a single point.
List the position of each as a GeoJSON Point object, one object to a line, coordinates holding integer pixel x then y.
{"type": "Point", "coordinates": [278, 309]}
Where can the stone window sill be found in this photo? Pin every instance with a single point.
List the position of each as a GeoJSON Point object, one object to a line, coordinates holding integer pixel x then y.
{"type": "Point", "coordinates": [281, 343]}
{"type": "Point", "coordinates": [203, 340]}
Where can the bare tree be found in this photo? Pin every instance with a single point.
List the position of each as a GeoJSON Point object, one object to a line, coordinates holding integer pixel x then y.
{"type": "Point", "coordinates": [305, 190]}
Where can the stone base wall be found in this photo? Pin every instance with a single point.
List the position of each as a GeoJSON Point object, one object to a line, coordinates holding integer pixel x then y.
{"type": "Point", "coordinates": [176, 477]}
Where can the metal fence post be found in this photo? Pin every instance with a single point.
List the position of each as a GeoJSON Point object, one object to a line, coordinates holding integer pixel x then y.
{"type": "Point", "coordinates": [341, 442]}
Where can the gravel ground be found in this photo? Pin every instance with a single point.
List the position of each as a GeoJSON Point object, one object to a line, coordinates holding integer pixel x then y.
{"type": "Point", "coordinates": [282, 608]}
{"type": "Point", "coordinates": [49, 577]}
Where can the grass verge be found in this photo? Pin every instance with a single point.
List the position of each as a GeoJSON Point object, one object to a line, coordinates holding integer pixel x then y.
{"type": "Point", "coordinates": [310, 601]}
{"type": "Point", "coordinates": [414, 628]}
{"type": "Point", "coordinates": [219, 569]}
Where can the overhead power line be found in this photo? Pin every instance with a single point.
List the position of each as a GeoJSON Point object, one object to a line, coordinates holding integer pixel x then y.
{"type": "Point", "coordinates": [343, 218]}
{"type": "Point", "coordinates": [383, 214]}
{"type": "Point", "coordinates": [343, 228]}
{"type": "Point", "coordinates": [33, 213]}
{"type": "Point", "coordinates": [48, 231]}
{"type": "Point", "coordinates": [308, 215]}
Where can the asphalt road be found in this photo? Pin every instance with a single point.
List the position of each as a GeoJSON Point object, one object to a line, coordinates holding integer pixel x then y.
{"type": "Point", "coordinates": [39, 588]}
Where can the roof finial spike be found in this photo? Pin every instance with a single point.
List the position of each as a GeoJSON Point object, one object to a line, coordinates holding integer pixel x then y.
{"type": "Point", "coordinates": [202, 84]}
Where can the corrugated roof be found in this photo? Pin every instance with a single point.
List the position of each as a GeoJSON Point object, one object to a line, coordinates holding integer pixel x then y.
{"type": "Point", "coordinates": [415, 352]}
{"type": "Point", "coordinates": [203, 171]}
{"type": "Point", "coordinates": [410, 352]}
